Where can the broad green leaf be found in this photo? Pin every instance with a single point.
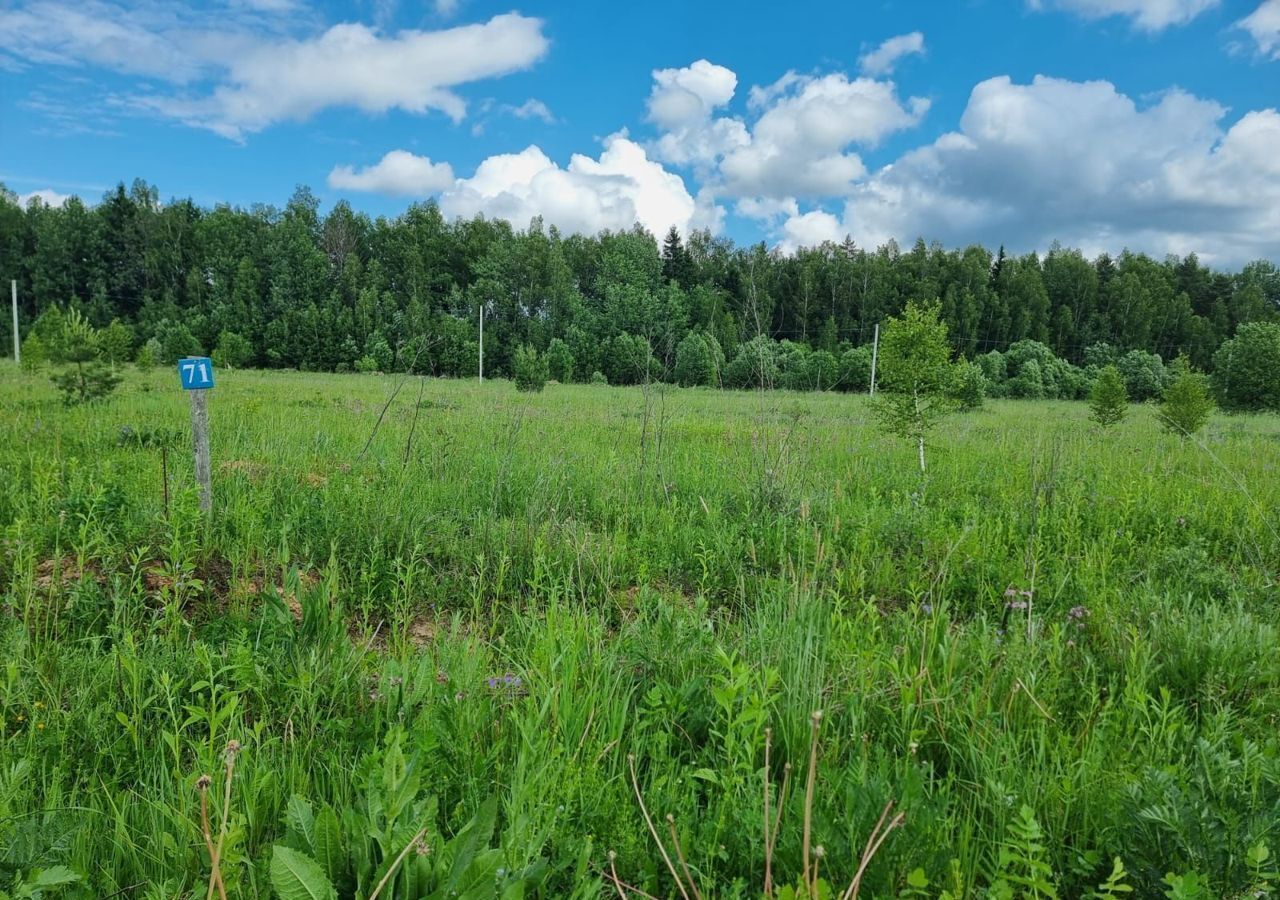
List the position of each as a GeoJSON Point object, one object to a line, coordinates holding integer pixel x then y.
{"type": "Point", "coordinates": [55, 875]}
{"type": "Point", "coordinates": [301, 822]}
{"type": "Point", "coordinates": [328, 843]}
{"type": "Point", "coordinates": [296, 876]}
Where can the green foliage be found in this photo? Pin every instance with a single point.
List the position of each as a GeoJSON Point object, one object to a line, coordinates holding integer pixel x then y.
{"type": "Point", "coordinates": [628, 359]}
{"type": "Point", "coordinates": [915, 375]}
{"type": "Point", "coordinates": [1108, 399]}
{"type": "Point", "coordinates": [41, 884]}
{"type": "Point", "coordinates": [1187, 886]}
{"type": "Point", "coordinates": [530, 369]}
{"type": "Point", "coordinates": [855, 369]}
{"type": "Point", "coordinates": [1022, 864]}
{"type": "Point", "coordinates": [498, 617]}
{"type": "Point", "coordinates": [50, 327]}
{"type": "Point", "coordinates": [233, 351]}
{"type": "Point", "coordinates": [699, 361]}
{"type": "Point", "coordinates": [969, 385]}
{"type": "Point", "coordinates": [85, 379]}
{"type": "Point", "coordinates": [1187, 404]}
{"type": "Point", "coordinates": [115, 343]}
{"type": "Point", "coordinates": [755, 366]}
{"type": "Point", "coordinates": [597, 377]}
{"type": "Point", "coordinates": [149, 356]}
{"type": "Point", "coordinates": [34, 353]}
{"type": "Point", "coordinates": [559, 361]}
{"type": "Point", "coordinates": [296, 876]}
{"type": "Point", "coordinates": [176, 342]}
{"type": "Point", "coordinates": [1144, 375]}
{"type": "Point", "coordinates": [1115, 885]}
{"type": "Point", "coordinates": [323, 292]}
{"type": "Point", "coordinates": [1247, 368]}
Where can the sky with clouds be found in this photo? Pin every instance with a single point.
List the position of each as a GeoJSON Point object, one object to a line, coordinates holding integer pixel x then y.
{"type": "Point", "coordinates": [1104, 124]}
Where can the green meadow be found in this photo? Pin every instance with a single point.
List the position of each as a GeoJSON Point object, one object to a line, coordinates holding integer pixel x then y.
{"type": "Point", "coordinates": [464, 641]}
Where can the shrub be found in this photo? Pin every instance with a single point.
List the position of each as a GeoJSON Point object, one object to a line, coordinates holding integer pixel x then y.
{"type": "Point", "coordinates": [176, 342]}
{"type": "Point", "coordinates": [148, 356]}
{"type": "Point", "coordinates": [969, 385]}
{"type": "Point", "coordinates": [560, 361]}
{"type": "Point", "coordinates": [1108, 401]}
{"type": "Point", "coordinates": [597, 377]}
{"type": "Point", "coordinates": [233, 350]}
{"type": "Point", "coordinates": [86, 378]}
{"type": "Point", "coordinates": [34, 353]}
{"type": "Point", "coordinates": [629, 360]}
{"type": "Point", "coordinates": [1028, 384]}
{"type": "Point", "coordinates": [1144, 375]}
{"type": "Point", "coordinates": [1247, 368]}
{"type": "Point", "coordinates": [995, 371]}
{"type": "Point", "coordinates": [381, 353]}
{"type": "Point", "coordinates": [530, 369]}
{"type": "Point", "coordinates": [695, 364]}
{"type": "Point", "coordinates": [1186, 406]}
{"type": "Point", "coordinates": [366, 364]}
{"type": "Point", "coordinates": [755, 365]}
{"type": "Point", "coordinates": [115, 342]}
{"type": "Point", "coordinates": [855, 369]}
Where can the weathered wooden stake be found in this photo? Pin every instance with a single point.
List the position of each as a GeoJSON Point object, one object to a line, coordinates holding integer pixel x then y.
{"type": "Point", "coordinates": [875, 353]}
{"type": "Point", "coordinates": [200, 435]}
{"type": "Point", "coordinates": [164, 474]}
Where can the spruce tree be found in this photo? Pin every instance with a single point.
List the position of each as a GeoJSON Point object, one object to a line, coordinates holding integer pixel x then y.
{"type": "Point", "coordinates": [1186, 405]}
{"type": "Point", "coordinates": [1108, 400]}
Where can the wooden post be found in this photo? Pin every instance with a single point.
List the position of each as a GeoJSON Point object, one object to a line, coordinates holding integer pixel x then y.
{"type": "Point", "coordinates": [875, 352]}
{"type": "Point", "coordinates": [200, 436]}
{"type": "Point", "coordinates": [17, 346]}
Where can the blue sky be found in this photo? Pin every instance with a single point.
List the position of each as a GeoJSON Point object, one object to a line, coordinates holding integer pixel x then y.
{"type": "Point", "coordinates": [1148, 124]}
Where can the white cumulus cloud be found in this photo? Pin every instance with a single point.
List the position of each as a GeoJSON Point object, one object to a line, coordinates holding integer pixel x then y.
{"type": "Point", "coordinates": [799, 146]}
{"type": "Point", "coordinates": [883, 59]}
{"type": "Point", "coordinates": [47, 196]}
{"type": "Point", "coordinates": [691, 94]}
{"type": "Point", "coordinates": [1081, 163]}
{"type": "Point", "coordinates": [355, 65]}
{"type": "Point", "coordinates": [398, 173]}
{"type": "Point", "coordinates": [239, 69]}
{"type": "Point", "coordinates": [616, 191]}
{"type": "Point", "coordinates": [1263, 25]}
{"type": "Point", "coordinates": [1148, 15]}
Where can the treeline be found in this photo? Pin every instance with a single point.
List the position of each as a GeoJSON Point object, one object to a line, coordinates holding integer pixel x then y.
{"type": "Point", "coordinates": [291, 288]}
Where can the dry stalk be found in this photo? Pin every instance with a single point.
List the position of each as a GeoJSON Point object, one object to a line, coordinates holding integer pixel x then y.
{"type": "Point", "coordinates": [684, 866]}
{"type": "Point", "coordinates": [635, 783]}
{"type": "Point", "coordinates": [768, 847]}
{"type": "Point", "coordinates": [873, 845]}
{"type": "Point", "coordinates": [202, 785]}
{"type": "Point", "coordinates": [215, 876]}
{"type": "Point", "coordinates": [396, 865]}
{"type": "Point", "coordinates": [815, 719]}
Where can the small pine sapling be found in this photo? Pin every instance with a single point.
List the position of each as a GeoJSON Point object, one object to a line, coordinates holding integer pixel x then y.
{"type": "Point", "coordinates": [1108, 400]}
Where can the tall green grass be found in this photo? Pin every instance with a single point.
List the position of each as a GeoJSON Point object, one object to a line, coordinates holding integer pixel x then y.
{"type": "Point", "coordinates": [506, 596]}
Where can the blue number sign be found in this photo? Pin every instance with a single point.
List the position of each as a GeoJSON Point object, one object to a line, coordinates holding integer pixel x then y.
{"type": "Point", "coordinates": [196, 373]}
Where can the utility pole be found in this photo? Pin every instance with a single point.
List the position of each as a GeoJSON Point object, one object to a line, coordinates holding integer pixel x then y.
{"type": "Point", "coordinates": [482, 343]}
{"type": "Point", "coordinates": [875, 352]}
{"type": "Point", "coordinates": [17, 346]}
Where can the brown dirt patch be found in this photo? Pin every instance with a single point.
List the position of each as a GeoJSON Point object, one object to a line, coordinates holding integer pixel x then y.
{"type": "Point", "coordinates": [254, 471]}
{"type": "Point", "coordinates": [66, 571]}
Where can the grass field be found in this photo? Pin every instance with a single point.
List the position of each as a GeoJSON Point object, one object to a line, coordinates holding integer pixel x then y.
{"type": "Point", "coordinates": [1057, 650]}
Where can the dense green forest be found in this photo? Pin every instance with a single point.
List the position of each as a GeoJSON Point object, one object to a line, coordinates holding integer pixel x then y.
{"type": "Point", "coordinates": [292, 288]}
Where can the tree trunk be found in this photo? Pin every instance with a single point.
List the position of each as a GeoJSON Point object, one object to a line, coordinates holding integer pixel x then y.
{"type": "Point", "coordinates": [920, 444]}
